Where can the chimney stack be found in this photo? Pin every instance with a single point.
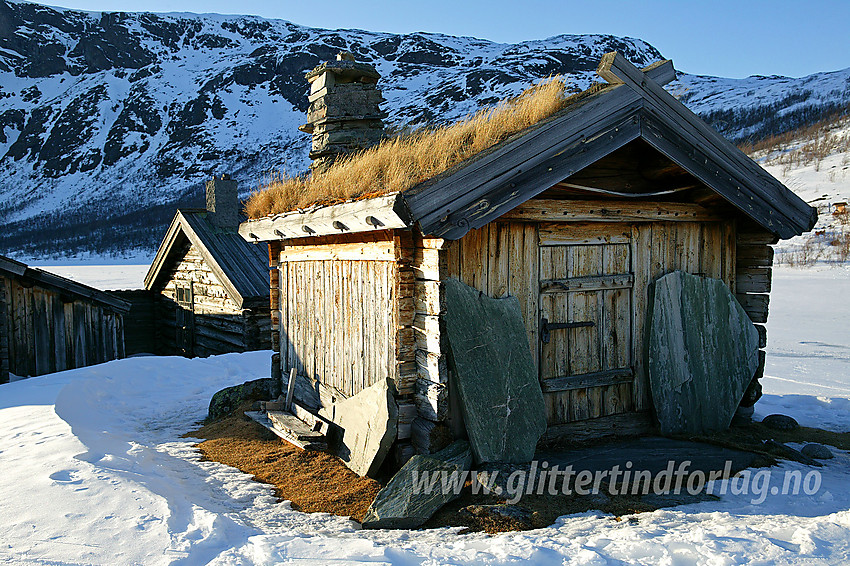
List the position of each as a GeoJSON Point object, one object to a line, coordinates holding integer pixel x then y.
{"type": "Point", "coordinates": [223, 203]}
{"type": "Point", "coordinates": [344, 114]}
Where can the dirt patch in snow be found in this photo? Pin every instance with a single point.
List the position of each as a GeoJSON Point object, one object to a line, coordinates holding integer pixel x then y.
{"type": "Point", "coordinates": [315, 482]}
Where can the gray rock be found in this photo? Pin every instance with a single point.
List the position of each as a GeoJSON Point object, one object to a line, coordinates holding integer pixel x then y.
{"type": "Point", "coordinates": [228, 399]}
{"type": "Point", "coordinates": [404, 504]}
{"type": "Point", "coordinates": [817, 451]}
{"type": "Point", "coordinates": [703, 353]}
{"type": "Point", "coordinates": [369, 423]}
{"type": "Point", "coordinates": [783, 451]}
{"type": "Point", "coordinates": [500, 396]}
{"type": "Point", "coordinates": [458, 452]}
{"type": "Point", "coordinates": [496, 478]}
{"type": "Point", "coordinates": [780, 422]}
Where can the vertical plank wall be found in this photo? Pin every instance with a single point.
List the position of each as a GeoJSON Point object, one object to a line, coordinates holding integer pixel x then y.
{"type": "Point", "coordinates": [503, 258]}
{"type": "Point", "coordinates": [346, 311]}
{"type": "Point", "coordinates": [46, 331]}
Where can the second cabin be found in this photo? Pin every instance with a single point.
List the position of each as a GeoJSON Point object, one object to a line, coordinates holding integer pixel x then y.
{"type": "Point", "coordinates": [576, 216]}
{"type": "Point", "coordinates": [208, 287]}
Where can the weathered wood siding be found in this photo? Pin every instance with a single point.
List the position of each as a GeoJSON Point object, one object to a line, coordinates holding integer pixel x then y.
{"type": "Point", "coordinates": [48, 331]}
{"type": "Point", "coordinates": [218, 325]}
{"type": "Point", "coordinates": [346, 311]}
{"type": "Point", "coordinates": [528, 258]}
{"type": "Point", "coordinates": [139, 322]}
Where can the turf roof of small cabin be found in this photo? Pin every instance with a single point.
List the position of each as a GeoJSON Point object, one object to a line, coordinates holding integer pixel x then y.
{"type": "Point", "coordinates": [588, 126]}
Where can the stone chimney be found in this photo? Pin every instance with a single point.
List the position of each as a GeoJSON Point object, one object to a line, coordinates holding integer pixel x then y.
{"type": "Point", "coordinates": [223, 203]}
{"type": "Point", "coordinates": [344, 115]}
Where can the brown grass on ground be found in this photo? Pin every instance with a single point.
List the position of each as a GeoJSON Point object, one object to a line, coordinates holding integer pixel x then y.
{"type": "Point", "coordinates": [404, 161]}
{"type": "Point", "coordinates": [315, 482]}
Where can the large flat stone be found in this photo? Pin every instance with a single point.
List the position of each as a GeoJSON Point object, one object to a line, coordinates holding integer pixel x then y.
{"type": "Point", "coordinates": [703, 352]}
{"type": "Point", "coordinates": [404, 503]}
{"type": "Point", "coordinates": [369, 423]}
{"type": "Point", "coordinates": [496, 379]}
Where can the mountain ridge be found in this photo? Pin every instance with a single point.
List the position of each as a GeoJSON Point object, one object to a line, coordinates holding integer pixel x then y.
{"type": "Point", "coordinates": [110, 120]}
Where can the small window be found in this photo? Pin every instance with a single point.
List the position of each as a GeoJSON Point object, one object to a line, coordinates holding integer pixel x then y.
{"type": "Point", "coordinates": [184, 296]}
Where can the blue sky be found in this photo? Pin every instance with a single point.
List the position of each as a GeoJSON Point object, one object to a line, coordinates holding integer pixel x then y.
{"type": "Point", "coordinates": [720, 37]}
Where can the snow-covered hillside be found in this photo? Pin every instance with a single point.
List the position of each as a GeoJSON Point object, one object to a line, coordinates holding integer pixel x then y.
{"type": "Point", "coordinates": [108, 121]}
{"type": "Point", "coordinates": [816, 166]}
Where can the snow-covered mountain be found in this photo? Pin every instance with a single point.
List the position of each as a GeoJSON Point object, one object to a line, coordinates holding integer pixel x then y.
{"type": "Point", "coordinates": [110, 120]}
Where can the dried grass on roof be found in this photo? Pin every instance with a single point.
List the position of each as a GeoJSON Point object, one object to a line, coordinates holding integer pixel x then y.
{"type": "Point", "coordinates": [404, 161]}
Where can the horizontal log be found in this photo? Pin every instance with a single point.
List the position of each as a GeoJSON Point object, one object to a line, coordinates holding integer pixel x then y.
{"type": "Point", "coordinates": [584, 233]}
{"type": "Point", "coordinates": [595, 379]}
{"type": "Point", "coordinates": [362, 251]}
{"type": "Point", "coordinates": [427, 332]}
{"type": "Point", "coordinates": [405, 344]}
{"type": "Point", "coordinates": [429, 297]}
{"type": "Point", "coordinates": [405, 376]}
{"type": "Point", "coordinates": [624, 425]}
{"type": "Point", "coordinates": [432, 400]}
{"type": "Point", "coordinates": [754, 255]}
{"type": "Point", "coordinates": [589, 283]}
{"type": "Point", "coordinates": [432, 366]}
{"type": "Point", "coordinates": [756, 237]}
{"type": "Point", "coordinates": [762, 330]}
{"type": "Point", "coordinates": [367, 215]}
{"type": "Point", "coordinates": [753, 280]}
{"type": "Point", "coordinates": [429, 263]}
{"type": "Point", "coordinates": [550, 210]}
{"type": "Point", "coordinates": [406, 415]}
{"type": "Point", "coordinates": [755, 306]}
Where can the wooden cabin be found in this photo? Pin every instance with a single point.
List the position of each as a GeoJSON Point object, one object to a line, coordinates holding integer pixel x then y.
{"type": "Point", "coordinates": [210, 285]}
{"type": "Point", "coordinates": [576, 217]}
{"type": "Point", "coordinates": [49, 323]}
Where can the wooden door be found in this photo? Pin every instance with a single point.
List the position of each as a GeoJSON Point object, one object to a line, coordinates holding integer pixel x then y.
{"type": "Point", "coordinates": [185, 338]}
{"type": "Point", "coordinates": [585, 303]}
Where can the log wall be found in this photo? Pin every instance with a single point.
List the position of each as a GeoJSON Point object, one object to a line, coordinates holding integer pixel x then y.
{"type": "Point", "coordinates": [220, 325]}
{"type": "Point", "coordinates": [754, 273]}
{"type": "Point", "coordinates": [48, 331]}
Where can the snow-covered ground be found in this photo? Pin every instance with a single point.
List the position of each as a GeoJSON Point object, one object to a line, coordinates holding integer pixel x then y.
{"type": "Point", "coordinates": [94, 471]}
{"type": "Point", "coordinates": [103, 277]}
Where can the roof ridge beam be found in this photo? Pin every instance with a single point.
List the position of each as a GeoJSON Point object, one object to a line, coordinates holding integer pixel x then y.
{"type": "Point", "coordinates": [615, 65]}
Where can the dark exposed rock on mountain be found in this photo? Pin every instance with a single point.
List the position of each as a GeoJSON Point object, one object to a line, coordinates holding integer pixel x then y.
{"type": "Point", "coordinates": [109, 119]}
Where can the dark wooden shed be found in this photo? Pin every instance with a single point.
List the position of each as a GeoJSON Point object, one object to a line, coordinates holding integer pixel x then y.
{"type": "Point", "coordinates": [49, 323]}
{"type": "Point", "coordinates": [576, 216]}
{"type": "Point", "coordinates": [211, 286]}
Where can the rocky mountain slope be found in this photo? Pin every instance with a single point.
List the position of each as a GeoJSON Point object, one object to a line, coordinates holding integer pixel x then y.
{"type": "Point", "coordinates": [108, 121]}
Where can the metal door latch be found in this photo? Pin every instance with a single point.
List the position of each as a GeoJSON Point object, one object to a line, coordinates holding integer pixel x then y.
{"type": "Point", "coordinates": [546, 327]}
